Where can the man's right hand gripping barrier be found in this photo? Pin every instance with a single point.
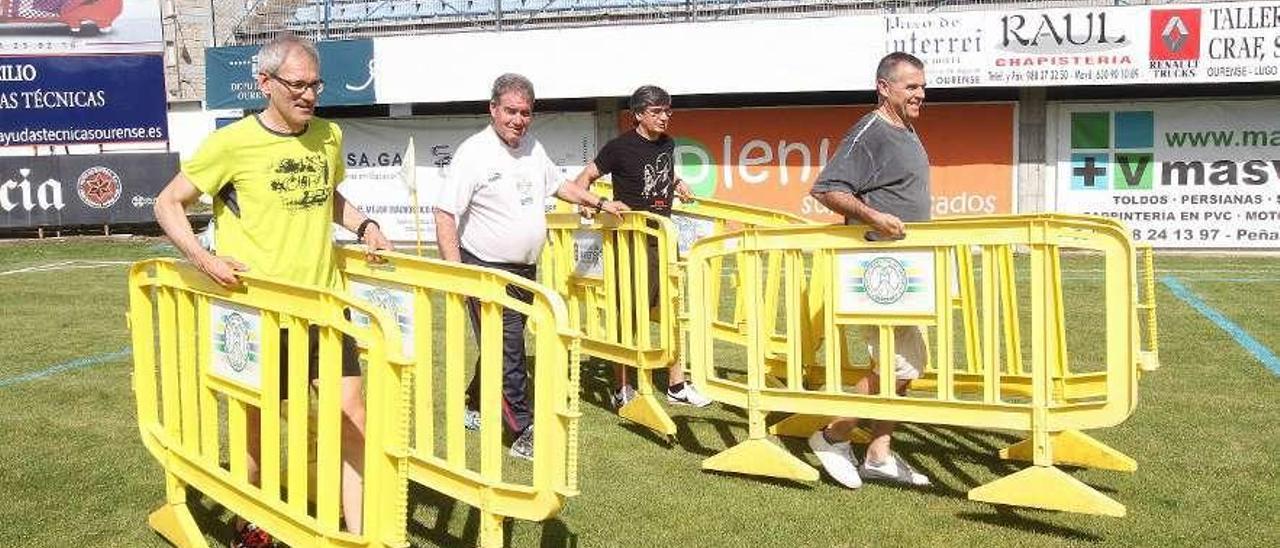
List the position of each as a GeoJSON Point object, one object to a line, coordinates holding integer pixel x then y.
{"type": "Point", "coordinates": [989, 296]}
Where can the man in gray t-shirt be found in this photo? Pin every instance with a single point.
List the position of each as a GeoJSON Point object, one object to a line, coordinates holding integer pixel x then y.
{"type": "Point", "coordinates": [880, 177]}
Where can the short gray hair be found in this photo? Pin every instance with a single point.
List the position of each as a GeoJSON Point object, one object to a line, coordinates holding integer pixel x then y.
{"type": "Point", "coordinates": [648, 96]}
{"type": "Point", "coordinates": [510, 82]}
{"type": "Point", "coordinates": [273, 53]}
{"type": "Point", "coordinates": [887, 70]}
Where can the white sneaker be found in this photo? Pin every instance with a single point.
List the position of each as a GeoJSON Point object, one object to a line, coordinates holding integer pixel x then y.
{"type": "Point", "coordinates": [687, 395]}
{"type": "Point", "coordinates": [837, 460]}
{"type": "Point", "coordinates": [895, 469]}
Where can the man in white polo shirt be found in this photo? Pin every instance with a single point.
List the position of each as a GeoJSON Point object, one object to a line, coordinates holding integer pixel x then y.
{"type": "Point", "coordinates": [492, 212]}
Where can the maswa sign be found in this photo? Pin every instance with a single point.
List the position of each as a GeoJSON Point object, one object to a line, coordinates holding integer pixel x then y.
{"type": "Point", "coordinates": [1192, 174]}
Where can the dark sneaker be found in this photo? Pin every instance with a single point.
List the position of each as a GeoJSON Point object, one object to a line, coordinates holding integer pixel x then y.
{"type": "Point", "coordinates": [623, 396]}
{"type": "Point", "coordinates": [523, 446]}
{"type": "Point", "coordinates": [250, 536]}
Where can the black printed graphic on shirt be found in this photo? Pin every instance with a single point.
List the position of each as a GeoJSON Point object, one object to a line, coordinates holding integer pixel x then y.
{"type": "Point", "coordinates": [302, 183]}
{"type": "Point", "coordinates": [643, 171]}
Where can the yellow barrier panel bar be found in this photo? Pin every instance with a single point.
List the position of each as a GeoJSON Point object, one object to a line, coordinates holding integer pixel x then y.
{"type": "Point", "coordinates": [969, 308]}
{"type": "Point", "coordinates": [1151, 348]}
{"type": "Point", "coordinates": [299, 413]}
{"type": "Point", "coordinates": [424, 378]}
{"type": "Point", "coordinates": [328, 425]}
{"type": "Point", "coordinates": [208, 401]}
{"type": "Point", "coordinates": [169, 362]}
{"type": "Point", "coordinates": [455, 385]}
{"type": "Point", "coordinates": [1051, 417]}
{"type": "Point", "coordinates": [990, 370]}
{"type": "Point", "coordinates": [269, 459]}
{"type": "Point", "coordinates": [491, 391]}
{"type": "Point", "coordinates": [945, 362]}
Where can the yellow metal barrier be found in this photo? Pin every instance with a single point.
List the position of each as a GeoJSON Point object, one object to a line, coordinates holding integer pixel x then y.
{"type": "Point", "coordinates": [200, 349]}
{"type": "Point", "coordinates": [971, 311]}
{"type": "Point", "coordinates": [601, 269]}
{"type": "Point", "coordinates": [608, 298]}
{"type": "Point", "coordinates": [428, 298]}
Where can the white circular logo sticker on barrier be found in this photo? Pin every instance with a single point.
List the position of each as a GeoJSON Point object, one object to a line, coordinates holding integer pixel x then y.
{"type": "Point", "coordinates": [885, 283]}
{"type": "Point", "coordinates": [237, 343]}
{"type": "Point", "coordinates": [885, 279]}
{"type": "Point", "coordinates": [396, 299]}
{"type": "Point", "coordinates": [588, 254]}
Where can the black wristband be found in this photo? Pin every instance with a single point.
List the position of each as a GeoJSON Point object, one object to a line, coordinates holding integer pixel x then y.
{"type": "Point", "coordinates": [600, 204]}
{"type": "Point", "coordinates": [363, 226]}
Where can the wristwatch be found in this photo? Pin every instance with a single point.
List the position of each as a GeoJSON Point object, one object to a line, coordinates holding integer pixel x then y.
{"type": "Point", "coordinates": [363, 226]}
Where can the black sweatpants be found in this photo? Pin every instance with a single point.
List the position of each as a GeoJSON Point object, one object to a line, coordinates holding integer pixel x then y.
{"type": "Point", "coordinates": [517, 407]}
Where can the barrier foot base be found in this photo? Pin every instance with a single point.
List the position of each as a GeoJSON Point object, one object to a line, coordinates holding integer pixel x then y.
{"type": "Point", "coordinates": [761, 457]}
{"type": "Point", "coordinates": [1075, 448]}
{"type": "Point", "coordinates": [1048, 488]}
{"type": "Point", "coordinates": [175, 524]}
{"type": "Point", "coordinates": [1148, 361]}
{"type": "Point", "coordinates": [645, 411]}
{"type": "Point", "coordinates": [490, 531]}
{"type": "Point", "coordinates": [803, 426]}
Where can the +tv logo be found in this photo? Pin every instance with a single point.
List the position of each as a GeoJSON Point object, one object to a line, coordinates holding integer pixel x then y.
{"type": "Point", "coordinates": [1112, 151]}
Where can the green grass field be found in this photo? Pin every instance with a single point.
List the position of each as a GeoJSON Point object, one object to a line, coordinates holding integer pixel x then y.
{"type": "Point", "coordinates": [1204, 435]}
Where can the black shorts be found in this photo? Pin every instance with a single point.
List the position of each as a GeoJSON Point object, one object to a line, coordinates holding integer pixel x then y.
{"type": "Point", "coordinates": [350, 358]}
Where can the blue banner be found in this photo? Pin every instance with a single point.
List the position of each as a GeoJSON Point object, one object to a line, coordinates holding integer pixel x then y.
{"type": "Point", "coordinates": [82, 99]}
{"type": "Point", "coordinates": [345, 66]}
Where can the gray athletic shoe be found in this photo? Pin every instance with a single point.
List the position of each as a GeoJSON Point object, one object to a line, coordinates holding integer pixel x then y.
{"type": "Point", "coordinates": [895, 469]}
{"type": "Point", "coordinates": [522, 448]}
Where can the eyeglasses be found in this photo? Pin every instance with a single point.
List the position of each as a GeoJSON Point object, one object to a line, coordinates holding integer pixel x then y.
{"type": "Point", "coordinates": [658, 112]}
{"type": "Point", "coordinates": [298, 87]}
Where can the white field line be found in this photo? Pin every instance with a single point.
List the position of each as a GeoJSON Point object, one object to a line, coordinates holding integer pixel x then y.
{"type": "Point", "coordinates": [64, 265]}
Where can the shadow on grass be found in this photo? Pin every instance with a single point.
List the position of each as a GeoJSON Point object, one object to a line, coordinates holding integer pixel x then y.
{"type": "Point", "coordinates": [1010, 519]}
{"type": "Point", "coordinates": [440, 510]}
{"type": "Point", "coordinates": [212, 519]}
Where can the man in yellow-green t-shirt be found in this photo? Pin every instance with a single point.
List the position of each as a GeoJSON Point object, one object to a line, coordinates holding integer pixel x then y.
{"type": "Point", "coordinates": [274, 180]}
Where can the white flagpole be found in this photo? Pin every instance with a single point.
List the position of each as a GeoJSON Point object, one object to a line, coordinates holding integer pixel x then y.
{"type": "Point", "coordinates": [409, 177]}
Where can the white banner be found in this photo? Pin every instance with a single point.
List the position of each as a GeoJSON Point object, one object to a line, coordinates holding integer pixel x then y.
{"type": "Point", "coordinates": [759, 55]}
{"type": "Point", "coordinates": [1191, 174]}
{"type": "Point", "coordinates": [1090, 45]}
{"type": "Point", "coordinates": [1115, 45]}
{"type": "Point", "coordinates": [374, 150]}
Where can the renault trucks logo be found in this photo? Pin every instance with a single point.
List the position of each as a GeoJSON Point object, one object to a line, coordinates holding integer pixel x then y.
{"type": "Point", "coordinates": [99, 187]}
{"type": "Point", "coordinates": [1175, 35]}
{"type": "Point", "coordinates": [1112, 151]}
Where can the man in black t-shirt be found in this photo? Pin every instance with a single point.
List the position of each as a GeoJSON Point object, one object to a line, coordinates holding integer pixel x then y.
{"type": "Point", "coordinates": [642, 165]}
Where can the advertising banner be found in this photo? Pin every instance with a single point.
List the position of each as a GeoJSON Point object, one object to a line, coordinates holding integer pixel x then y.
{"type": "Point", "coordinates": [82, 99]}
{"type": "Point", "coordinates": [771, 156]}
{"type": "Point", "coordinates": [82, 190]}
{"type": "Point", "coordinates": [345, 66]}
{"type": "Point", "coordinates": [64, 27]}
{"type": "Point", "coordinates": [759, 55]}
{"type": "Point", "coordinates": [374, 151]}
{"type": "Point", "coordinates": [1186, 174]}
{"type": "Point", "coordinates": [1098, 45]}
